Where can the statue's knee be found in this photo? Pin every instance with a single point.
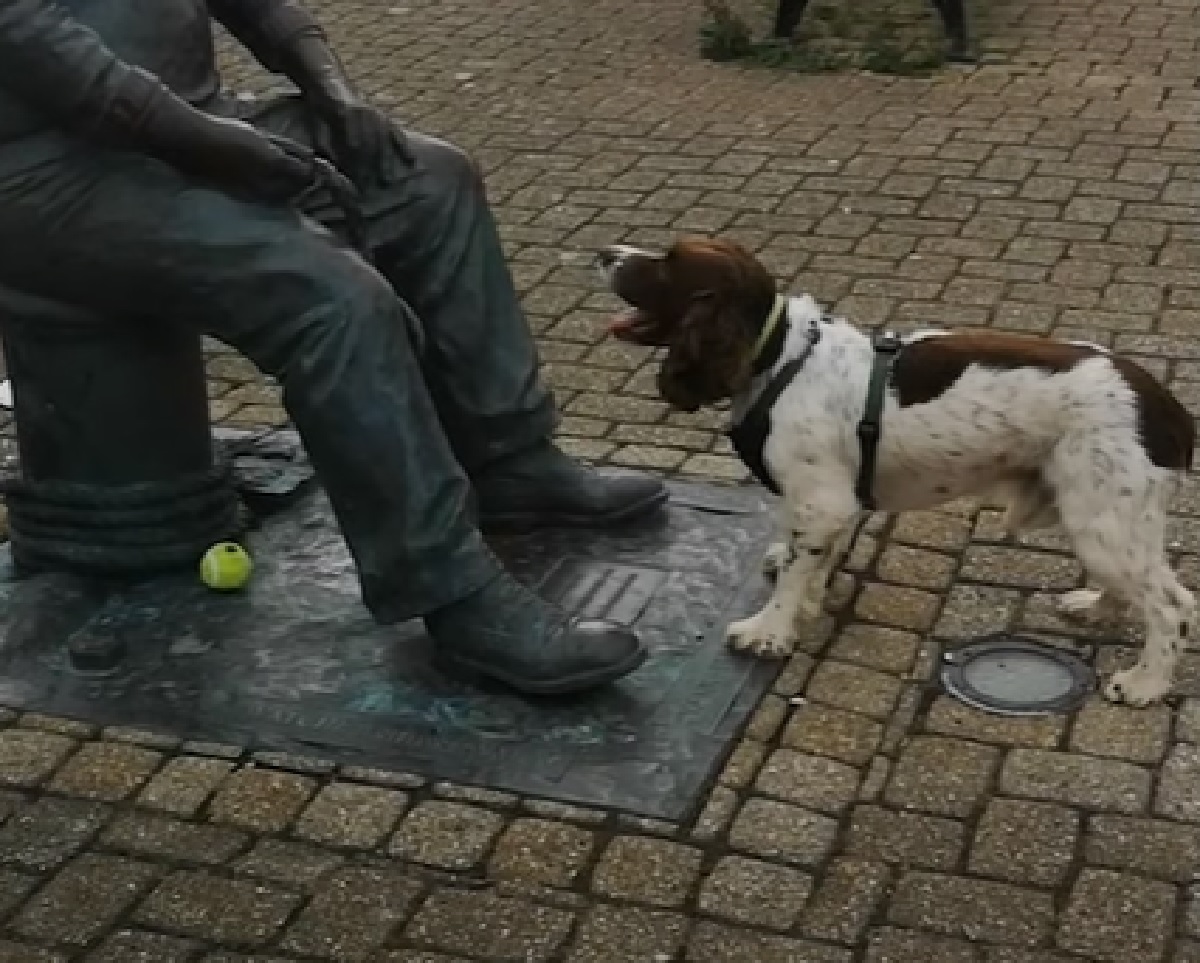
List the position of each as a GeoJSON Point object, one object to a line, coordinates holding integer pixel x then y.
{"type": "Point", "coordinates": [454, 168]}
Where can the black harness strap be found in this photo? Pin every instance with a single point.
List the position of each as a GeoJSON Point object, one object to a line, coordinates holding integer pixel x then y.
{"type": "Point", "coordinates": [749, 435]}
{"type": "Point", "coordinates": [887, 345]}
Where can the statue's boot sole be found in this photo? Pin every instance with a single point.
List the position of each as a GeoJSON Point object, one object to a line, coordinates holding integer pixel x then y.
{"type": "Point", "coordinates": [562, 685]}
{"type": "Point", "coordinates": [629, 512]}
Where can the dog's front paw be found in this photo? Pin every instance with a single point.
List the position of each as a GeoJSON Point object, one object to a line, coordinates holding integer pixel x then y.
{"type": "Point", "coordinates": [759, 637]}
{"type": "Point", "coordinates": [1136, 687]}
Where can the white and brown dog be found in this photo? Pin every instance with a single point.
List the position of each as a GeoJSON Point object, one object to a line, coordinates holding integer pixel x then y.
{"type": "Point", "coordinates": [1068, 432]}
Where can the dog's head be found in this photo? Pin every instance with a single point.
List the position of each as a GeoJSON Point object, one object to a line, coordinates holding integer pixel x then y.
{"type": "Point", "coordinates": [705, 301]}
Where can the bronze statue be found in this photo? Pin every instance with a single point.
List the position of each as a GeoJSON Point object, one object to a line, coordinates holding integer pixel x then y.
{"type": "Point", "coordinates": [132, 186]}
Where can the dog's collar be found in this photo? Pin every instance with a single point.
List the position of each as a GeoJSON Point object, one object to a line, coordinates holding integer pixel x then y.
{"type": "Point", "coordinates": [771, 338]}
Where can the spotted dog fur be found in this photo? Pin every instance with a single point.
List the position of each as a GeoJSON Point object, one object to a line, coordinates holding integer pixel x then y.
{"type": "Point", "coordinates": [1068, 433]}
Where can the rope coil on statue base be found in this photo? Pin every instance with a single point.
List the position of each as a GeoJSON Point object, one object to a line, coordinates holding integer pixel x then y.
{"type": "Point", "coordinates": [120, 531]}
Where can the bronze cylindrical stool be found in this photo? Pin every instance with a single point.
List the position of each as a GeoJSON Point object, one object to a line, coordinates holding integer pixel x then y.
{"type": "Point", "coordinates": [118, 476]}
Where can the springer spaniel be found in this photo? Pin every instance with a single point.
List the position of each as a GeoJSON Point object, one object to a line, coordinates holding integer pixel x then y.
{"type": "Point", "coordinates": [1068, 432]}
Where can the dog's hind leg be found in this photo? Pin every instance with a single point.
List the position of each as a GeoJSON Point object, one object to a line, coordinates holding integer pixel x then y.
{"type": "Point", "coordinates": [1170, 611]}
{"type": "Point", "coordinates": [1117, 526]}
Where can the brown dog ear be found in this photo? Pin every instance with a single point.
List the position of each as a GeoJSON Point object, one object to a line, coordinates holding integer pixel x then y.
{"type": "Point", "coordinates": [708, 359]}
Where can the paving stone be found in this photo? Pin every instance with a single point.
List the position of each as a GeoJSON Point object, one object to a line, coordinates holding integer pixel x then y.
{"type": "Point", "coordinates": [446, 834]}
{"type": "Point", "coordinates": [228, 957]}
{"type": "Point", "coordinates": [1151, 847]}
{"type": "Point", "coordinates": [14, 952]}
{"type": "Point", "coordinates": [948, 777]}
{"type": "Point", "coordinates": [903, 608]}
{"type": "Point", "coordinates": [209, 907]}
{"type": "Point", "coordinates": [1177, 796]}
{"type": "Point", "coordinates": [138, 946]}
{"type": "Point", "coordinates": [261, 800]}
{"type": "Point", "coordinates": [1117, 917]}
{"type": "Point", "coordinates": [172, 839]}
{"type": "Point", "coordinates": [784, 833]}
{"type": "Point", "coordinates": [1006, 954]}
{"type": "Point", "coordinates": [84, 899]}
{"type": "Point", "coordinates": [768, 718]}
{"type": "Point", "coordinates": [854, 688]}
{"type": "Point", "coordinates": [1025, 842]}
{"type": "Point", "coordinates": [975, 610]}
{"type": "Point", "coordinates": [933, 530]}
{"type": "Point", "coordinates": [184, 784]}
{"type": "Point", "coordinates": [876, 647]}
{"type": "Point", "coordinates": [497, 928]}
{"type": "Point", "coordinates": [972, 909]}
{"type": "Point", "coordinates": [712, 943]}
{"type": "Point", "coordinates": [75, 728]}
{"type": "Point", "coordinates": [10, 802]}
{"type": "Point", "coordinates": [28, 757]}
{"type": "Point", "coordinates": [717, 814]}
{"type": "Point", "coordinates": [1138, 735]}
{"type": "Point", "coordinates": [846, 901]}
{"type": "Point", "coordinates": [353, 914]}
{"type": "Point", "coordinates": [652, 871]}
{"type": "Point", "coordinates": [751, 891]}
{"type": "Point", "coordinates": [743, 764]}
{"type": "Point", "coordinates": [541, 851]}
{"type": "Point", "coordinates": [353, 816]}
{"type": "Point", "coordinates": [417, 956]}
{"type": "Point", "coordinates": [905, 838]}
{"type": "Point", "coordinates": [548, 809]}
{"type": "Point", "coordinates": [823, 731]}
{"type": "Point", "coordinates": [1105, 785]}
{"type": "Point", "coordinates": [48, 832]}
{"type": "Point", "coordinates": [796, 672]}
{"type": "Point", "coordinates": [14, 887]}
{"type": "Point", "coordinates": [890, 945]}
{"type": "Point", "coordinates": [614, 934]}
{"type": "Point", "coordinates": [1187, 721]}
{"type": "Point", "coordinates": [1020, 568]}
{"type": "Point", "coordinates": [297, 865]}
{"type": "Point", "coordinates": [916, 567]}
{"type": "Point", "coordinates": [812, 781]}
{"type": "Point", "coordinates": [108, 771]}
{"type": "Point", "coordinates": [949, 717]}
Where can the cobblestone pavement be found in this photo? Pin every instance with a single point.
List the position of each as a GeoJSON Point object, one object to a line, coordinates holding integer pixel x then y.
{"type": "Point", "coordinates": [861, 817]}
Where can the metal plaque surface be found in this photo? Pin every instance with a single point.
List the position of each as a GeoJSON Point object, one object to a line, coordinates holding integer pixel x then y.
{"type": "Point", "coordinates": [295, 664]}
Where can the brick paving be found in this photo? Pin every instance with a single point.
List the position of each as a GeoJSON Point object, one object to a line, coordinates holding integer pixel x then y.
{"type": "Point", "coordinates": [1055, 189]}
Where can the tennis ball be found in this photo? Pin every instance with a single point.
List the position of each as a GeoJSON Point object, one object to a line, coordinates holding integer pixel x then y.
{"type": "Point", "coordinates": [226, 567]}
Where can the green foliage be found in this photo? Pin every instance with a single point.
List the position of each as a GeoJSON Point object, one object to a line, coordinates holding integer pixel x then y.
{"type": "Point", "coordinates": [886, 44]}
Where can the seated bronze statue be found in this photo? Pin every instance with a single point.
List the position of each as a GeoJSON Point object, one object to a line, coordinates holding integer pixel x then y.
{"type": "Point", "coordinates": [132, 186]}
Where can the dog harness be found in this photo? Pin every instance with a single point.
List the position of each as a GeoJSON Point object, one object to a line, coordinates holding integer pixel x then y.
{"type": "Point", "coordinates": [749, 434]}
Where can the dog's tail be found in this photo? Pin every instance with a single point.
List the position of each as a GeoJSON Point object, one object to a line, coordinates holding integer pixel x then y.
{"type": "Point", "coordinates": [1166, 427]}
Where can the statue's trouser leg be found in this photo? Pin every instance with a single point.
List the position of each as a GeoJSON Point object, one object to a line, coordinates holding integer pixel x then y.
{"type": "Point", "coordinates": [129, 238]}
{"type": "Point", "coordinates": [436, 241]}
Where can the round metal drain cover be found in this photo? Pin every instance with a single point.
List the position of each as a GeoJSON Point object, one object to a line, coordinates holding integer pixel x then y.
{"type": "Point", "coordinates": [1008, 675]}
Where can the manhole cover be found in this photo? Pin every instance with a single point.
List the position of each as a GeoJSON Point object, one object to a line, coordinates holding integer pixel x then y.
{"type": "Point", "coordinates": [1007, 675]}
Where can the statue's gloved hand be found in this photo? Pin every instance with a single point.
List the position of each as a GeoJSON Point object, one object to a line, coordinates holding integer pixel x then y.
{"type": "Point", "coordinates": [369, 147]}
{"type": "Point", "coordinates": [228, 153]}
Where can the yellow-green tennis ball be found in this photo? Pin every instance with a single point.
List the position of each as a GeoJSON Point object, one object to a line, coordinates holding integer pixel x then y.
{"type": "Point", "coordinates": [226, 567]}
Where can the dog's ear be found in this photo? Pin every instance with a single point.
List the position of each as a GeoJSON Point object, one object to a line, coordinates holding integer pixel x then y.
{"type": "Point", "coordinates": [708, 359]}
